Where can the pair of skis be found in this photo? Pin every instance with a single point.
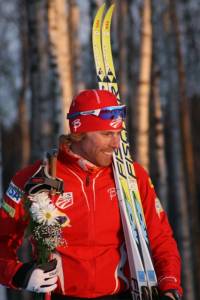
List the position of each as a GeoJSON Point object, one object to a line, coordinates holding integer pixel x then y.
{"type": "Point", "coordinates": [143, 280]}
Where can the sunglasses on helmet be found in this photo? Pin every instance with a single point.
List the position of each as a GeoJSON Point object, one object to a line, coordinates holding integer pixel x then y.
{"type": "Point", "coordinates": [105, 113]}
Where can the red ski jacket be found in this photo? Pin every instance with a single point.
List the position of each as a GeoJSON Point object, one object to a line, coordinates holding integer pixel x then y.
{"type": "Point", "coordinates": [94, 261]}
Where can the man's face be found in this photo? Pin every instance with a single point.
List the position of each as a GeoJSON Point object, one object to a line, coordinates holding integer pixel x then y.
{"type": "Point", "coordinates": [97, 147]}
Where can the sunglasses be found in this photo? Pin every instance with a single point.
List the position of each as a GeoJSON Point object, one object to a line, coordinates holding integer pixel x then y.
{"type": "Point", "coordinates": [105, 113]}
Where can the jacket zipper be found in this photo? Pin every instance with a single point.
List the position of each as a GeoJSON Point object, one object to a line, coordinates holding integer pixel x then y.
{"type": "Point", "coordinates": [87, 181]}
{"type": "Point", "coordinates": [88, 184]}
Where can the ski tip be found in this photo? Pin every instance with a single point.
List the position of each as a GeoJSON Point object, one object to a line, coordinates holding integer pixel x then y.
{"type": "Point", "coordinates": [110, 9]}
{"type": "Point", "coordinates": [108, 18]}
{"type": "Point", "coordinates": [98, 16]}
{"type": "Point", "coordinates": [102, 6]}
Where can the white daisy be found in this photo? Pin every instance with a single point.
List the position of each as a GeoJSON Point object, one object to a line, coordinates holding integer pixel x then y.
{"type": "Point", "coordinates": [40, 197]}
{"type": "Point", "coordinates": [43, 211]}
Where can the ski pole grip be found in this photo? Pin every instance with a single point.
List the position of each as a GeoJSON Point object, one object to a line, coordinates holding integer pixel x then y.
{"type": "Point", "coordinates": [52, 167]}
{"type": "Point", "coordinates": [53, 160]}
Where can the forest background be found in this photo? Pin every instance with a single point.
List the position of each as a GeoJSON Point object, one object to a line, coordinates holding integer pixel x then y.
{"type": "Point", "coordinates": [46, 57]}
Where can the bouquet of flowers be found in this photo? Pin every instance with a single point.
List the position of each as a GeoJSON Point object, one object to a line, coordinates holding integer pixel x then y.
{"type": "Point", "coordinates": [45, 225]}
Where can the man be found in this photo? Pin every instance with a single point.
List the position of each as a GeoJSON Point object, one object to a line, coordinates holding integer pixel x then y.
{"type": "Point", "coordinates": [93, 264]}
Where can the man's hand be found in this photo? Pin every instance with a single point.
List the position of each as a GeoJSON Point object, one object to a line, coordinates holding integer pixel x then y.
{"type": "Point", "coordinates": [37, 278]}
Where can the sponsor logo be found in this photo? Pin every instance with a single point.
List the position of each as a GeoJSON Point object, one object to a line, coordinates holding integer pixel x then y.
{"type": "Point", "coordinates": [112, 193]}
{"type": "Point", "coordinates": [158, 206]}
{"type": "Point", "coordinates": [65, 200]}
{"type": "Point", "coordinates": [7, 208]}
{"type": "Point", "coordinates": [116, 122]}
{"type": "Point", "coordinates": [14, 193]}
{"type": "Point", "coordinates": [76, 124]}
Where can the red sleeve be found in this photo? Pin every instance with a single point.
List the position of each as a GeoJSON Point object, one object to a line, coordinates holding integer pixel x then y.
{"type": "Point", "coordinates": [165, 254]}
{"type": "Point", "coordinates": [13, 224]}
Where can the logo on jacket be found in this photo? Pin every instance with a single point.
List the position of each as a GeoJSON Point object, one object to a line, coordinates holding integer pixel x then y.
{"type": "Point", "coordinates": [14, 192]}
{"type": "Point", "coordinates": [158, 206]}
{"type": "Point", "coordinates": [112, 193]}
{"type": "Point", "coordinates": [65, 200]}
{"type": "Point", "coordinates": [7, 208]}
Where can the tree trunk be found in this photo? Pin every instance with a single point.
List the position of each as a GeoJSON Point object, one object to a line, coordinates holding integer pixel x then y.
{"type": "Point", "coordinates": [143, 93]}
{"type": "Point", "coordinates": [188, 156]}
{"type": "Point", "coordinates": [59, 32]}
{"type": "Point", "coordinates": [22, 106]}
{"type": "Point", "coordinates": [75, 45]}
{"type": "Point", "coordinates": [122, 33]}
{"type": "Point", "coordinates": [177, 203]}
{"type": "Point", "coordinates": [158, 164]}
{"type": "Point", "coordinates": [41, 100]}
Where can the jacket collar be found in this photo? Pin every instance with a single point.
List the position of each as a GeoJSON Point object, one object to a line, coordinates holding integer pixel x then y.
{"type": "Point", "coordinates": [65, 154]}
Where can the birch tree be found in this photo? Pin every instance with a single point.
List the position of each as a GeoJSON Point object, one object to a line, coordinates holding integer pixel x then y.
{"type": "Point", "coordinates": [177, 203]}
{"type": "Point", "coordinates": [75, 45]}
{"type": "Point", "coordinates": [59, 32]}
{"type": "Point", "coordinates": [143, 93]}
{"type": "Point", "coordinates": [188, 156]}
{"type": "Point", "coordinates": [157, 144]}
{"type": "Point", "coordinates": [22, 105]}
{"type": "Point", "coordinates": [41, 99]}
{"type": "Point", "coordinates": [122, 24]}
{"type": "Point", "coordinates": [178, 200]}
